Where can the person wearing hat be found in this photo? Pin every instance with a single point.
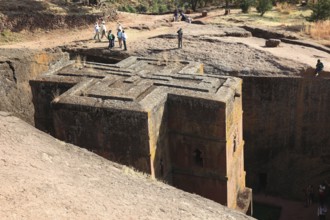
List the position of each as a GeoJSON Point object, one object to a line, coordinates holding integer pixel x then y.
{"type": "Point", "coordinates": [180, 33]}
{"type": "Point", "coordinates": [119, 36]}
{"type": "Point", "coordinates": [103, 30]}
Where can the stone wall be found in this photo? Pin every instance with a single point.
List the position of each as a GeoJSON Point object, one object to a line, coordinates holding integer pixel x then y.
{"type": "Point", "coordinates": [235, 145]}
{"type": "Point", "coordinates": [198, 146]}
{"type": "Point", "coordinates": [17, 67]}
{"type": "Point", "coordinates": [286, 133]}
{"type": "Point", "coordinates": [45, 93]}
{"type": "Point", "coordinates": [117, 135]}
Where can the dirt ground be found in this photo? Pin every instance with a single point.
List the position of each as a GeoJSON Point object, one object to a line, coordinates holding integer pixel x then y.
{"type": "Point", "coordinates": [44, 178]}
{"type": "Point", "coordinates": [200, 42]}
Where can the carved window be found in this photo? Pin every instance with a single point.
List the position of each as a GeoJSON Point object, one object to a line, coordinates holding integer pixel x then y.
{"type": "Point", "coordinates": [234, 144]}
{"type": "Point", "coordinates": [198, 158]}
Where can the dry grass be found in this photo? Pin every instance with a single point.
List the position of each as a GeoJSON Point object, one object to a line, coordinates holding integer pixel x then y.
{"type": "Point", "coordinates": [131, 171]}
{"type": "Point", "coordinates": [285, 8]}
{"type": "Point", "coordinates": [319, 30]}
{"type": "Point", "coordinates": [7, 36]}
{"type": "Point", "coordinates": [80, 62]}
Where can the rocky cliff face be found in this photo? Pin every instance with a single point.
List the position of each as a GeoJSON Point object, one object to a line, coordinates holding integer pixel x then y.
{"type": "Point", "coordinates": [17, 67]}
{"type": "Point", "coordinates": [286, 132]}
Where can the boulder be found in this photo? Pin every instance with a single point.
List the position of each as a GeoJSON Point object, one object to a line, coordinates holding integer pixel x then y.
{"type": "Point", "coordinates": [273, 42]}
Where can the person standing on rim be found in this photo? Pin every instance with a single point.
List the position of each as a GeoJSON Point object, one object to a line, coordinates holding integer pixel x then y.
{"type": "Point", "coordinates": [180, 33]}
{"type": "Point", "coordinates": [119, 36]}
{"type": "Point", "coordinates": [319, 67]}
{"type": "Point", "coordinates": [103, 30]}
{"type": "Point", "coordinates": [97, 31]}
{"type": "Point", "coordinates": [124, 38]}
{"type": "Point", "coordinates": [111, 39]}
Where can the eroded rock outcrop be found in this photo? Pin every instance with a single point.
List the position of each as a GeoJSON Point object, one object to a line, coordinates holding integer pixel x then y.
{"type": "Point", "coordinates": [48, 179]}
{"type": "Point", "coordinates": [17, 67]}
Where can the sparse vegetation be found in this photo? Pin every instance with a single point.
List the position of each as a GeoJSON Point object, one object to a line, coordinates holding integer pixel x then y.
{"type": "Point", "coordinates": [285, 8]}
{"type": "Point", "coordinates": [319, 30]}
{"type": "Point", "coordinates": [127, 8]}
{"type": "Point", "coordinates": [320, 10]}
{"type": "Point", "coordinates": [263, 6]}
{"type": "Point", "coordinates": [79, 62]}
{"type": "Point", "coordinates": [8, 36]}
{"type": "Point", "coordinates": [246, 4]}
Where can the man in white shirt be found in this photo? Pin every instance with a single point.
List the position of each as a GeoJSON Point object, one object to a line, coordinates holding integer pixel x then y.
{"type": "Point", "coordinates": [322, 212]}
{"type": "Point", "coordinates": [97, 31]}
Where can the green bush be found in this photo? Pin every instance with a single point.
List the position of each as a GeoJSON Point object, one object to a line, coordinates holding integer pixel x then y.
{"type": "Point", "coordinates": [122, 8]}
{"type": "Point", "coordinates": [6, 33]}
{"type": "Point", "coordinates": [320, 11]}
{"type": "Point", "coordinates": [141, 8]}
{"type": "Point", "coordinates": [170, 6]}
{"type": "Point", "coordinates": [131, 9]}
{"type": "Point", "coordinates": [155, 8]}
{"type": "Point", "coordinates": [263, 6]}
{"type": "Point", "coordinates": [245, 5]}
{"type": "Point", "coordinates": [162, 8]}
{"type": "Point", "coordinates": [127, 8]}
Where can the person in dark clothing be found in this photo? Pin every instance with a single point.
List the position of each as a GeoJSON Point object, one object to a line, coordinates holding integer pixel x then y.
{"type": "Point", "coordinates": [180, 33]}
{"type": "Point", "coordinates": [319, 67]}
{"type": "Point", "coordinates": [183, 17]}
{"type": "Point", "coordinates": [111, 39]}
{"type": "Point", "coordinates": [309, 193]}
{"type": "Point", "coordinates": [176, 15]}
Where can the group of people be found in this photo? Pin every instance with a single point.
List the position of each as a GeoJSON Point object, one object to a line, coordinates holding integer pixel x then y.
{"type": "Point", "coordinates": [99, 29]}
{"type": "Point", "coordinates": [322, 193]}
{"type": "Point", "coordinates": [121, 35]}
{"type": "Point", "coordinates": [178, 14]}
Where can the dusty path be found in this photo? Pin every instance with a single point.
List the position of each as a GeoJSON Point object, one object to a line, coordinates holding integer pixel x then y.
{"type": "Point", "coordinates": [289, 51]}
{"type": "Point", "coordinates": [135, 37]}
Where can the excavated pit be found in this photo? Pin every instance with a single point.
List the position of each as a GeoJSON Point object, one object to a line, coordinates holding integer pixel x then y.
{"type": "Point", "coordinates": [285, 120]}
{"type": "Point", "coordinates": [162, 117]}
{"type": "Point", "coordinates": [286, 132]}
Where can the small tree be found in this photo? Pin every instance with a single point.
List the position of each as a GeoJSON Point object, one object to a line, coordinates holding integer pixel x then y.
{"type": "Point", "coordinates": [263, 6]}
{"type": "Point", "coordinates": [320, 10]}
{"type": "Point", "coordinates": [141, 8]}
{"type": "Point", "coordinates": [162, 8]}
{"type": "Point", "coordinates": [245, 5]}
